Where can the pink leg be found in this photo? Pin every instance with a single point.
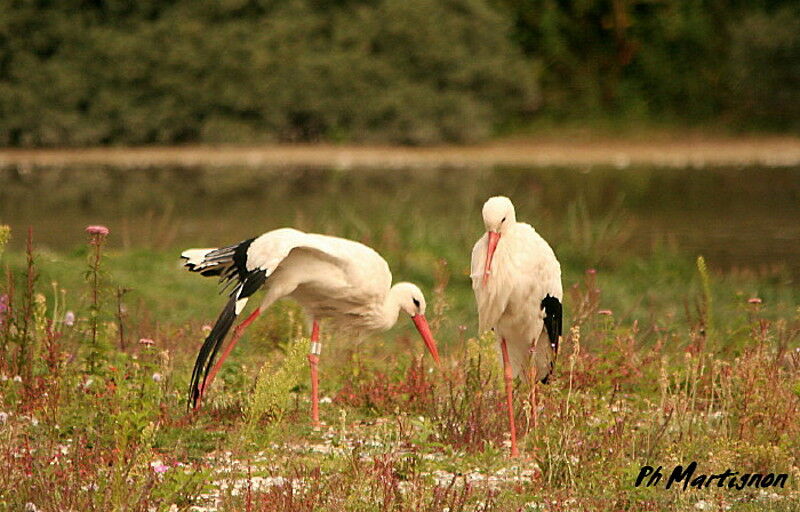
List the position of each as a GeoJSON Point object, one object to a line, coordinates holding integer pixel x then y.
{"type": "Point", "coordinates": [534, 405]}
{"type": "Point", "coordinates": [508, 375]}
{"type": "Point", "coordinates": [313, 360]}
{"type": "Point", "coordinates": [237, 333]}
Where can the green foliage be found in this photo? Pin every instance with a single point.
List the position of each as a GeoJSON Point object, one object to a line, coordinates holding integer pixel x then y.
{"type": "Point", "coordinates": [416, 71]}
{"type": "Point", "coordinates": [764, 68]}
{"type": "Point", "coordinates": [5, 235]}
{"type": "Point", "coordinates": [681, 59]}
{"type": "Point", "coordinates": [707, 307]}
{"type": "Point", "coordinates": [274, 386]}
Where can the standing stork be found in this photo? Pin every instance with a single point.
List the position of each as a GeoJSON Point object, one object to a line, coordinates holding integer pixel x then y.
{"type": "Point", "coordinates": [333, 278]}
{"type": "Point", "coordinates": [517, 283]}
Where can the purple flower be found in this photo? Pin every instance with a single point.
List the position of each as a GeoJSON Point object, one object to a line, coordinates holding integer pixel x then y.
{"type": "Point", "coordinates": [147, 342]}
{"type": "Point", "coordinates": [69, 318]}
{"type": "Point", "coordinates": [605, 312]}
{"type": "Point", "coordinates": [754, 300]}
{"type": "Point", "coordinates": [97, 230]}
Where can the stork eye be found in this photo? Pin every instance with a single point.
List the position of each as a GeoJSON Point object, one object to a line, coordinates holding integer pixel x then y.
{"type": "Point", "coordinates": [504, 219]}
{"type": "Point", "coordinates": [415, 301]}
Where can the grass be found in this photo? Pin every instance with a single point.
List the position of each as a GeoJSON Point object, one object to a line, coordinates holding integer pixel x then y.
{"type": "Point", "coordinates": [666, 361]}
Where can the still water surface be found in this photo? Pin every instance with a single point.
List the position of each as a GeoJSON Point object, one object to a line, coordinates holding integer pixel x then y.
{"type": "Point", "coordinates": [739, 218]}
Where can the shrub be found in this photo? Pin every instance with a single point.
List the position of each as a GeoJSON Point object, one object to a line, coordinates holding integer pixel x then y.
{"type": "Point", "coordinates": [416, 71]}
{"type": "Point", "coordinates": [764, 69]}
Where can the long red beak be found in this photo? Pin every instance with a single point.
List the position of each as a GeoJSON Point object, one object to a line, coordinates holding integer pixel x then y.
{"type": "Point", "coordinates": [427, 337]}
{"type": "Point", "coordinates": [494, 237]}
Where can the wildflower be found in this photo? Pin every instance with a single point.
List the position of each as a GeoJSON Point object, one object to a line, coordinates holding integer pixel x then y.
{"type": "Point", "coordinates": [157, 377]}
{"type": "Point", "coordinates": [605, 312]}
{"type": "Point", "coordinates": [17, 378]}
{"type": "Point", "coordinates": [3, 307]}
{"type": "Point", "coordinates": [591, 271]}
{"type": "Point", "coordinates": [30, 507]}
{"type": "Point", "coordinates": [159, 467]}
{"type": "Point", "coordinates": [754, 300]}
{"type": "Point", "coordinates": [97, 230]}
{"type": "Point", "coordinates": [69, 318]}
{"type": "Point", "coordinates": [3, 416]}
{"type": "Point", "coordinates": [206, 329]}
{"type": "Point", "coordinates": [147, 342]}
{"type": "Point", "coordinates": [703, 505]}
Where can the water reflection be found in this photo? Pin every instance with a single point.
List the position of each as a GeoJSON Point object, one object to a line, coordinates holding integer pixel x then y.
{"type": "Point", "coordinates": [737, 217]}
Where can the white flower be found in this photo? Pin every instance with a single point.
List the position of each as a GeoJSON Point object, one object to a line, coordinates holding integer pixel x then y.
{"type": "Point", "coordinates": [17, 378]}
{"type": "Point", "coordinates": [3, 417]}
{"type": "Point", "coordinates": [30, 507]}
{"type": "Point", "coordinates": [703, 505]}
{"type": "Point", "coordinates": [325, 400]}
{"type": "Point", "coordinates": [69, 319]}
{"type": "Point", "coordinates": [157, 377]}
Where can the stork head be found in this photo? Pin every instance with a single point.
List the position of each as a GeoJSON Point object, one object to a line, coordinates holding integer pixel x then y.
{"type": "Point", "coordinates": [498, 216]}
{"type": "Point", "coordinates": [412, 301]}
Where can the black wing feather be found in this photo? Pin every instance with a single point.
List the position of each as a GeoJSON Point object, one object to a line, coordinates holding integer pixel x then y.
{"type": "Point", "coordinates": [552, 320]}
{"type": "Point", "coordinates": [249, 282]}
{"type": "Point", "coordinates": [211, 345]}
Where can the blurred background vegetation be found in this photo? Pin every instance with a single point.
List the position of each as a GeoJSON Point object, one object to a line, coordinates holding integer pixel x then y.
{"type": "Point", "coordinates": [80, 72]}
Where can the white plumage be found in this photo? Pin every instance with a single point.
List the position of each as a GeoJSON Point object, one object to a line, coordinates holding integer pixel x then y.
{"type": "Point", "coordinates": [517, 283]}
{"type": "Point", "coordinates": [332, 278]}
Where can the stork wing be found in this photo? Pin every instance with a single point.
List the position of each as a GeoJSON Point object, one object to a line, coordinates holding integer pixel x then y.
{"type": "Point", "coordinates": [363, 266]}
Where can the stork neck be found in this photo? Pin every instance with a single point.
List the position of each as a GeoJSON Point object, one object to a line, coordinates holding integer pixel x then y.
{"type": "Point", "coordinates": [390, 310]}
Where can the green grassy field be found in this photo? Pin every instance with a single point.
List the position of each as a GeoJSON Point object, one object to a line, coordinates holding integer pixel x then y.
{"type": "Point", "coordinates": [664, 363]}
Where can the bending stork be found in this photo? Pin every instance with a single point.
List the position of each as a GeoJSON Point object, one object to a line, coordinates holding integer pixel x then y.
{"type": "Point", "coordinates": [333, 278]}
{"type": "Point", "coordinates": [517, 283]}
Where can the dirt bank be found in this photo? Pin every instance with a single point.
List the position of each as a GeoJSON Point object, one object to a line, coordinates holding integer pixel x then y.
{"type": "Point", "coordinates": [672, 152]}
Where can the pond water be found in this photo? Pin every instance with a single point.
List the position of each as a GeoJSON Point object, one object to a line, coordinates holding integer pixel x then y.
{"type": "Point", "coordinates": [738, 218]}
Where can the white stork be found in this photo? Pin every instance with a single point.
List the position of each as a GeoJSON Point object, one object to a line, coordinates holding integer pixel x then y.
{"type": "Point", "coordinates": [332, 278]}
{"type": "Point", "coordinates": [517, 283]}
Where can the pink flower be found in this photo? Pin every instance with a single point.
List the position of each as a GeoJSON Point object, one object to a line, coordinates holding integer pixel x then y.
{"type": "Point", "coordinates": [754, 300]}
{"type": "Point", "coordinates": [69, 319]}
{"type": "Point", "coordinates": [605, 312]}
{"type": "Point", "coordinates": [3, 307]}
{"type": "Point", "coordinates": [591, 271]}
{"type": "Point", "coordinates": [159, 467]}
{"type": "Point", "coordinates": [147, 342]}
{"type": "Point", "coordinates": [206, 329]}
{"type": "Point", "coordinates": [97, 230]}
